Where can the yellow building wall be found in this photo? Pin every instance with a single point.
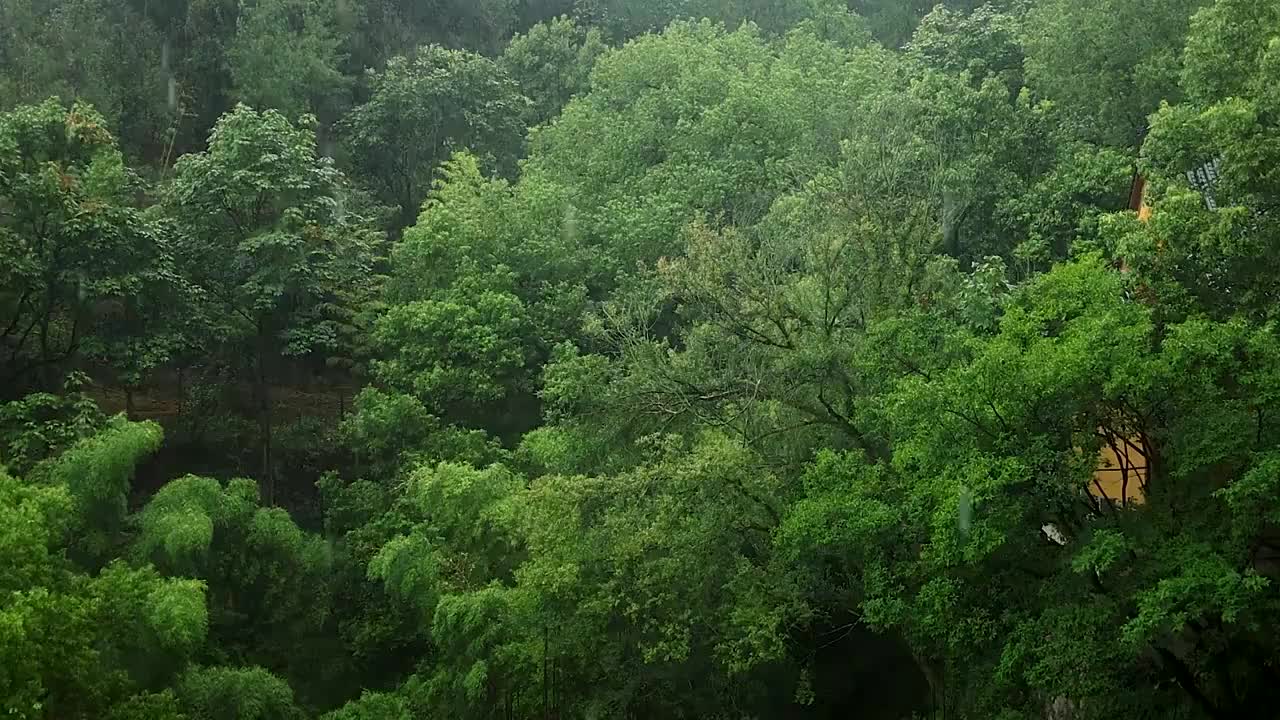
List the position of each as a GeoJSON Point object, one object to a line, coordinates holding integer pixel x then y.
{"type": "Point", "coordinates": [1120, 476]}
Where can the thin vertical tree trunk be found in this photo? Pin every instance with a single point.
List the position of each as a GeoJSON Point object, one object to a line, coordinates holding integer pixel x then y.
{"type": "Point", "coordinates": [264, 416]}
{"type": "Point", "coordinates": [952, 212]}
{"type": "Point", "coordinates": [1187, 681]}
{"type": "Point", "coordinates": [546, 688]}
{"type": "Point", "coordinates": [937, 689]}
{"type": "Point", "coordinates": [557, 688]}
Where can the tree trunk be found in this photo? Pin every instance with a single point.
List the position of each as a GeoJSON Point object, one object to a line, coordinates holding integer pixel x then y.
{"type": "Point", "coordinates": [268, 470]}
{"type": "Point", "coordinates": [546, 687]}
{"type": "Point", "coordinates": [937, 685]}
{"type": "Point", "coordinates": [263, 391]}
{"type": "Point", "coordinates": [952, 212]}
{"type": "Point", "coordinates": [1187, 681]}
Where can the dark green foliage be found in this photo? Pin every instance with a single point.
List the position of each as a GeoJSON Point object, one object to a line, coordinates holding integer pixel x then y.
{"type": "Point", "coordinates": [99, 52]}
{"type": "Point", "coordinates": [981, 43]}
{"type": "Point", "coordinates": [423, 107]}
{"type": "Point", "coordinates": [73, 253]}
{"type": "Point", "coordinates": [552, 62]}
{"type": "Point", "coordinates": [41, 425]}
{"type": "Point", "coordinates": [276, 255]}
{"type": "Point", "coordinates": [1108, 63]}
{"type": "Point", "coordinates": [624, 19]}
{"type": "Point", "coordinates": [692, 358]}
{"type": "Point", "coordinates": [695, 122]}
{"type": "Point", "coordinates": [286, 56]}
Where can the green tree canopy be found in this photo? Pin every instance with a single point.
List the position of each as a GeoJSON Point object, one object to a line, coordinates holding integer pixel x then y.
{"type": "Point", "coordinates": [423, 107]}
{"type": "Point", "coordinates": [1109, 63]}
{"type": "Point", "coordinates": [74, 252]}
{"type": "Point", "coordinates": [267, 238]}
{"type": "Point", "coordinates": [552, 63]}
{"type": "Point", "coordinates": [286, 56]}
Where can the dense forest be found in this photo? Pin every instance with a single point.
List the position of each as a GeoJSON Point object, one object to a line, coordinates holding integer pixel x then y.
{"type": "Point", "coordinates": [519, 359]}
